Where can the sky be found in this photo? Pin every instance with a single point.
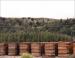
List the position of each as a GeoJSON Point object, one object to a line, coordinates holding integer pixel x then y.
{"type": "Point", "coordinates": [48, 9]}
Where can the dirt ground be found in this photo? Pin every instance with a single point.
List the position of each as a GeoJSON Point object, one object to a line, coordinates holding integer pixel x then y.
{"type": "Point", "coordinates": [19, 57]}
{"type": "Point", "coordinates": [14, 57]}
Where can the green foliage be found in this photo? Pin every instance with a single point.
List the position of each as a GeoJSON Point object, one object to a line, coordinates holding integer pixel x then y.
{"type": "Point", "coordinates": [33, 37]}
{"type": "Point", "coordinates": [36, 29]}
{"type": "Point", "coordinates": [26, 55]}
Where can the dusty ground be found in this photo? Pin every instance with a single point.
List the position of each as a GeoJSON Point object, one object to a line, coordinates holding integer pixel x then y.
{"type": "Point", "coordinates": [18, 57]}
{"type": "Point", "coordinates": [14, 57]}
{"type": "Point", "coordinates": [10, 57]}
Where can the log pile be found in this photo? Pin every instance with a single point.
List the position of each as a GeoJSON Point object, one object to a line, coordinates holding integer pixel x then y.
{"type": "Point", "coordinates": [12, 49]}
{"type": "Point", "coordinates": [49, 49]}
{"type": "Point", "coordinates": [74, 48]}
{"type": "Point", "coordinates": [2, 49]}
{"type": "Point", "coordinates": [36, 49]}
{"type": "Point", "coordinates": [63, 50]}
{"type": "Point", "coordinates": [46, 49]}
{"type": "Point", "coordinates": [23, 47]}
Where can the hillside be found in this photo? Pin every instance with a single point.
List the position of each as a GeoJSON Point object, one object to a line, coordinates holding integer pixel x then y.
{"type": "Point", "coordinates": [36, 29]}
{"type": "Point", "coordinates": [66, 26]}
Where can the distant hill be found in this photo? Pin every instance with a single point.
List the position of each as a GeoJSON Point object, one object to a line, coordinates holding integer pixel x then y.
{"type": "Point", "coordinates": [65, 26]}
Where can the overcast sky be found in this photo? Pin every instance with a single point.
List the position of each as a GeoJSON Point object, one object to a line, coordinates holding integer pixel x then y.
{"type": "Point", "coordinates": [49, 9]}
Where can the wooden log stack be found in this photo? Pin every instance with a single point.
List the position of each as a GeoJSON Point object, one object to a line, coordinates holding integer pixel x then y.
{"type": "Point", "coordinates": [74, 48]}
{"type": "Point", "coordinates": [49, 49]}
{"type": "Point", "coordinates": [63, 50]}
{"type": "Point", "coordinates": [36, 49]}
{"type": "Point", "coordinates": [46, 49]}
{"type": "Point", "coordinates": [23, 47]}
{"type": "Point", "coordinates": [2, 49]}
{"type": "Point", "coordinates": [12, 49]}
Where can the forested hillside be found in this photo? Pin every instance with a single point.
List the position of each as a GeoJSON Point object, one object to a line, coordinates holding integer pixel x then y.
{"type": "Point", "coordinates": [37, 29]}
{"type": "Point", "coordinates": [41, 24]}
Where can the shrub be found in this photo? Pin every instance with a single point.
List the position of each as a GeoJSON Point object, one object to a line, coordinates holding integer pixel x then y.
{"type": "Point", "coordinates": [26, 55]}
{"type": "Point", "coordinates": [33, 37]}
{"type": "Point", "coordinates": [71, 56]}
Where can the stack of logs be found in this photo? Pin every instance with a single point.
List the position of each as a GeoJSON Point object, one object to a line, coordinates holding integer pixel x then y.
{"type": "Point", "coordinates": [36, 49]}
{"type": "Point", "coordinates": [74, 48]}
{"type": "Point", "coordinates": [23, 47]}
{"type": "Point", "coordinates": [63, 49]}
{"type": "Point", "coordinates": [12, 49]}
{"type": "Point", "coordinates": [49, 49]}
{"type": "Point", "coordinates": [2, 49]}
